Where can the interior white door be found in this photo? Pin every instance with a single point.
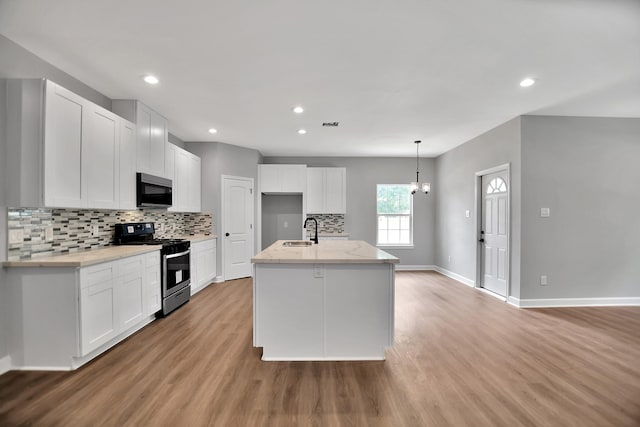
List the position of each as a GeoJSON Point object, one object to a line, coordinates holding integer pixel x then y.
{"type": "Point", "coordinates": [494, 234]}
{"type": "Point", "coordinates": [237, 227]}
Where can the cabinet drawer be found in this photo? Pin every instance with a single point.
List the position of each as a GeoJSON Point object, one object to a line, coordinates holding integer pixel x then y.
{"type": "Point", "coordinates": [98, 274]}
{"type": "Point", "coordinates": [131, 265]}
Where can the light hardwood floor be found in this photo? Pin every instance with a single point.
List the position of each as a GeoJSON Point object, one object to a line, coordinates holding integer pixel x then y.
{"type": "Point", "coordinates": [461, 358]}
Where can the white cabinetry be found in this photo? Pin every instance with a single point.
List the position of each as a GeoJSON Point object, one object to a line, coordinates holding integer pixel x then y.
{"type": "Point", "coordinates": [116, 296]}
{"type": "Point", "coordinates": [203, 264]}
{"type": "Point", "coordinates": [184, 170]}
{"type": "Point", "coordinates": [282, 178]}
{"type": "Point", "coordinates": [152, 135]}
{"type": "Point", "coordinates": [65, 151]}
{"type": "Point", "coordinates": [326, 190]}
{"type": "Point", "coordinates": [127, 171]}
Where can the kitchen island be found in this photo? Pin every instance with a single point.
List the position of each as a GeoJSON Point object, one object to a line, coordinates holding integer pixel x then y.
{"type": "Point", "coordinates": [328, 301]}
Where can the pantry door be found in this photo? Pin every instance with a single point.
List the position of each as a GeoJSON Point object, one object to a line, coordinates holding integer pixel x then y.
{"type": "Point", "coordinates": [237, 226]}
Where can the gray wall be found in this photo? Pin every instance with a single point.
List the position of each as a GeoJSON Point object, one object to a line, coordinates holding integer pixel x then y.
{"type": "Point", "coordinates": [586, 170]}
{"type": "Point", "coordinates": [4, 351]}
{"type": "Point", "coordinates": [363, 174]}
{"type": "Point", "coordinates": [222, 159]}
{"type": "Point", "coordinates": [455, 193]}
{"type": "Point", "coordinates": [176, 141]}
{"type": "Point", "coordinates": [17, 62]}
{"type": "Point", "coordinates": [281, 218]}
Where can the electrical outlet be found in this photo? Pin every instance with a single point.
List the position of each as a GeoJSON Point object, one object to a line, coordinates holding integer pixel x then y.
{"type": "Point", "coordinates": [48, 234]}
{"type": "Point", "coordinates": [467, 213]}
{"type": "Point", "coordinates": [543, 281]}
{"type": "Point", "coordinates": [286, 224]}
{"type": "Point", "coordinates": [545, 212]}
{"type": "Point", "coordinates": [16, 236]}
{"type": "Point", "coordinates": [449, 259]}
{"type": "Point", "coordinates": [95, 229]}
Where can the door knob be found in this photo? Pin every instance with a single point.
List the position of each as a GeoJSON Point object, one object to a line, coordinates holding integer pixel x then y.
{"type": "Point", "coordinates": [226, 234]}
{"type": "Point", "coordinates": [481, 240]}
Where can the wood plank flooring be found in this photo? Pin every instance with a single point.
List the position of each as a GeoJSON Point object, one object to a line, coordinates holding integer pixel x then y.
{"type": "Point", "coordinates": [461, 358]}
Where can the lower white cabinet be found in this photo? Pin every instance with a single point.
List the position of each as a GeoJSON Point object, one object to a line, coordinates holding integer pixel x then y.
{"type": "Point", "coordinates": [116, 296]}
{"type": "Point", "coordinates": [61, 317]}
{"type": "Point", "coordinates": [203, 264]}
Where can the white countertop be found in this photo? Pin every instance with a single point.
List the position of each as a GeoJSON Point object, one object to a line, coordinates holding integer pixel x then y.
{"type": "Point", "coordinates": [96, 256]}
{"type": "Point", "coordinates": [85, 258]}
{"type": "Point", "coordinates": [325, 252]}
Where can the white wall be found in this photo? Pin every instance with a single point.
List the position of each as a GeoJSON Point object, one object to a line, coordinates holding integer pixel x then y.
{"type": "Point", "coordinates": [587, 171]}
{"type": "Point", "coordinates": [222, 159]}
{"type": "Point", "coordinates": [363, 174]}
{"type": "Point", "coordinates": [456, 235]}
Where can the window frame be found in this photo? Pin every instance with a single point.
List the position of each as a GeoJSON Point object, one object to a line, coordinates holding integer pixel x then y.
{"type": "Point", "coordinates": [410, 215]}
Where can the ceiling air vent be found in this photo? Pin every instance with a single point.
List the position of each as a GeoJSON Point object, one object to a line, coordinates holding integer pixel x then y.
{"type": "Point", "coordinates": [331, 124]}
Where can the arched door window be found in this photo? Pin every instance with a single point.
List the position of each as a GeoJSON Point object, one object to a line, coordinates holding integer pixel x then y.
{"type": "Point", "coordinates": [497, 185]}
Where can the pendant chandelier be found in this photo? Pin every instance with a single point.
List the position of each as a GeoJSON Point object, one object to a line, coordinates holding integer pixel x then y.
{"type": "Point", "coordinates": [425, 187]}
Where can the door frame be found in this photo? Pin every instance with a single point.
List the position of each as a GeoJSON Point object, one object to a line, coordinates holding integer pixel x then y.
{"type": "Point", "coordinates": [223, 219]}
{"type": "Point", "coordinates": [479, 194]}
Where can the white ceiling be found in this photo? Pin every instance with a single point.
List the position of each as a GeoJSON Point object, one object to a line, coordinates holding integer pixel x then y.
{"type": "Point", "coordinates": [443, 71]}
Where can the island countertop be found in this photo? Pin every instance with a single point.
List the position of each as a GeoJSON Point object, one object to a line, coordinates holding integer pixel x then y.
{"type": "Point", "coordinates": [325, 252]}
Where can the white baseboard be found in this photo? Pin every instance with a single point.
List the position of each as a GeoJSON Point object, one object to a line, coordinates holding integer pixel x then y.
{"type": "Point", "coordinates": [404, 267]}
{"type": "Point", "coordinates": [456, 276]}
{"type": "Point", "coordinates": [5, 364]}
{"type": "Point", "coordinates": [218, 279]}
{"type": "Point", "coordinates": [574, 302]}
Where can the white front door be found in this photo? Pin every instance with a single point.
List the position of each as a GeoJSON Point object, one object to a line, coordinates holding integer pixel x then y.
{"type": "Point", "coordinates": [494, 234]}
{"type": "Point", "coordinates": [237, 226]}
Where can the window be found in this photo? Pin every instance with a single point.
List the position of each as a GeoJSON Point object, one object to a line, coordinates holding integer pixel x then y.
{"type": "Point", "coordinates": [395, 215]}
{"type": "Point", "coordinates": [497, 185]}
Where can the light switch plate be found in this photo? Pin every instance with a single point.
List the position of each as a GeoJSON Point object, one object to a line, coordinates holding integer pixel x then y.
{"type": "Point", "coordinates": [467, 213]}
{"type": "Point", "coordinates": [16, 236]}
{"type": "Point", "coordinates": [318, 271]}
{"type": "Point", "coordinates": [95, 229]}
{"type": "Point", "coordinates": [545, 212]}
{"type": "Point", "coordinates": [543, 281]}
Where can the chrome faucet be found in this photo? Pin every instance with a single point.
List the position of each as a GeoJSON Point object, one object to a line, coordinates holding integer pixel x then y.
{"type": "Point", "coordinates": [315, 238]}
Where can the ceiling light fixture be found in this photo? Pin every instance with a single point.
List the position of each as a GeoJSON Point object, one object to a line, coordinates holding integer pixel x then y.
{"type": "Point", "coordinates": [527, 82]}
{"type": "Point", "coordinates": [152, 80]}
{"type": "Point", "coordinates": [212, 130]}
{"type": "Point", "coordinates": [298, 109]}
{"type": "Point", "coordinates": [302, 131]}
{"type": "Point", "coordinates": [415, 186]}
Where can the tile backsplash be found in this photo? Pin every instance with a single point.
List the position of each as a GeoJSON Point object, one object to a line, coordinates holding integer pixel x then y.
{"type": "Point", "coordinates": [73, 228]}
{"type": "Point", "coordinates": [329, 223]}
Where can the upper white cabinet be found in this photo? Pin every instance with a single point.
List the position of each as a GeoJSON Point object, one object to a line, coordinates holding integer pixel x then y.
{"type": "Point", "coordinates": [151, 136]}
{"type": "Point", "coordinates": [184, 170]}
{"type": "Point", "coordinates": [326, 190]}
{"type": "Point", "coordinates": [65, 151]}
{"type": "Point", "coordinates": [282, 178]}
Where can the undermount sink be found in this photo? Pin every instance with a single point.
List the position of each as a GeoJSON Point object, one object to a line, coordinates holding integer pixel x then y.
{"type": "Point", "coordinates": [297, 243]}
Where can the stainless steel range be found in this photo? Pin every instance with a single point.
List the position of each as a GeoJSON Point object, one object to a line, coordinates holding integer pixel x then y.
{"type": "Point", "coordinates": [174, 261]}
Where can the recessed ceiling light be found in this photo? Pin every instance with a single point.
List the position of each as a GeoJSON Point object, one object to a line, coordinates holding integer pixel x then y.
{"type": "Point", "coordinates": [212, 130]}
{"type": "Point", "coordinates": [298, 109]}
{"type": "Point", "coordinates": [302, 131]}
{"type": "Point", "coordinates": [152, 80]}
{"type": "Point", "coordinates": [527, 82]}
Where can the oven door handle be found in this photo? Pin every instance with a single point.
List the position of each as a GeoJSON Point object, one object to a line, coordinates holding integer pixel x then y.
{"type": "Point", "coordinates": [177, 255]}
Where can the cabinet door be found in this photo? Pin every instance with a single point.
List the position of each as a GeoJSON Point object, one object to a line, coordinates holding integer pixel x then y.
{"type": "Point", "coordinates": [65, 125]}
{"type": "Point", "coordinates": [153, 297]}
{"type": "Point", "coordinates": [127, 157]}
{"type": "Point", "coordinates": [194, 186]}
{"type": "Point", "coordinates": [269, 178]}
{"type": "Point", "coordinates": [315, 190]}
{"type": "Point", "coordinates": [129, 292]}
{"type": "Point", "coordinates": [157, 144]}
{"type": "Point", "coordinates": [181, 187]}
{"type": "Point", "coordinates": [143, 141]}
{"type": "Point", "coordinates": [101, 159]}
{"type": "Point", "coordinates": [97, 306]}
{"type": "Point", "coordinates": [335, 190]}
{"type": "Point", "coordinates": [293, 178]}
{"type": "Point", "coordinates": [170, 172]}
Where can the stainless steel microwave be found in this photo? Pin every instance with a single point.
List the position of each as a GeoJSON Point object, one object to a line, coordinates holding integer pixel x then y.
{"type": "Point", "coordinates": [153, 191]}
